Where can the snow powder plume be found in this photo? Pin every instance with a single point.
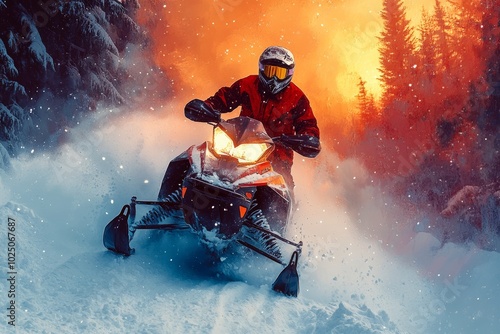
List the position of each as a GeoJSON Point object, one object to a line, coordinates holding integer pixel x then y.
{"type": "Point", "coordinates": [350, 282]}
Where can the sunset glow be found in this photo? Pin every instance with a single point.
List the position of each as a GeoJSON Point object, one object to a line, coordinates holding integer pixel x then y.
{"type": "Point", "coordinates": [205, 44]}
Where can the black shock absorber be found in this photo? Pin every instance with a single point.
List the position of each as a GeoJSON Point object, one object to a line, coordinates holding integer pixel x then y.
{"type": "Point", "coordinates": [158, 213]}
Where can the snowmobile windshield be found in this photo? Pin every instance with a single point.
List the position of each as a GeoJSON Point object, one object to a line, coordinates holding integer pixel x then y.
{"type": "Point", "coordinates": [242, 138]}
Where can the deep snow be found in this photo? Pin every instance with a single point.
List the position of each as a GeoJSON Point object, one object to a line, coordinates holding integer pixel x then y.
{"type": "Point", "coordinates": [396, 281]}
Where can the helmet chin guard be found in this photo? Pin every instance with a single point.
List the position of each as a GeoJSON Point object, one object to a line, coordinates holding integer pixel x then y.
{"type": "Point", "coordinates": [276, 66]}
{"type": "Point", "coordinates": [274, 85]}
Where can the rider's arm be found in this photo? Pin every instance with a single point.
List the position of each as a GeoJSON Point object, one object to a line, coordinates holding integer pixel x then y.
{"type": "Point", "coordinates": [226, 99]}
{"type": "Point", "coordinates": [306, 139]}
{"type": "Point", "coordinates": [304, 121]}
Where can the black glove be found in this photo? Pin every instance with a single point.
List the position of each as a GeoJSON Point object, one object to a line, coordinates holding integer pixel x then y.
{"type": "Point", "coordinates": [200, 111]}
{"type": "Point", "coordinates": [308, 146]}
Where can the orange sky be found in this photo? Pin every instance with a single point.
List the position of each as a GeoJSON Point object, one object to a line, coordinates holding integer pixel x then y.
{"type": "Point", "coordinates": [205, 44]}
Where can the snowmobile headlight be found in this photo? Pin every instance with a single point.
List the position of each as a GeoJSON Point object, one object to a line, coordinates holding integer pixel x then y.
{"type": "Point", "coordinates": [249, 152]}
{"type": "Point", "coordinates": [223, 144]}
{"type": "Point", "coordinates": [245, 153]}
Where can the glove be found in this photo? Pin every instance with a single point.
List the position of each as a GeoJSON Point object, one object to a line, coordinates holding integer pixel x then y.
{"type": "Point", "coordinates": [200, 111]}
{"type": "Point", "coordinates": [307, 146]}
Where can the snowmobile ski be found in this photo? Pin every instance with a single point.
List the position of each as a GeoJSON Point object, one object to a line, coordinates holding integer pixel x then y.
{"type": "Point", "coordinates": [115, 237]}
{"type": "Point", "coordinates": [287, 282]}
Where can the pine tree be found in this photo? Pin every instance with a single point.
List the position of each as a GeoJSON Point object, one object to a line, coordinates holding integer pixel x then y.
{"type": "Point", "coordinates": [54, 49]}
{"type": "Point", "coordinates": [444, 79]}
{"type": "Point", "coordinates": [425, 87]}
{"type": "Point", "coordinates": [467, 35]}
{"type": "Point", "coordinates": [366, 105]}
{"type": "Point", "coordinates": [427, 29]}
{"type": "Point", "coordinates": [11, 115]}
{"type": "Point", "coordinates": [89, 52]}
{"type": "Point", "coordinates": [442, 36]}
{"type": "Point", "coordinates": [488, 119]}
{"type": "Point", "coordinates": [467, 93]}
{"type": "Point", "coordinates": [396, 52]}
{"type": "Point", "coordinates": [491, 47]}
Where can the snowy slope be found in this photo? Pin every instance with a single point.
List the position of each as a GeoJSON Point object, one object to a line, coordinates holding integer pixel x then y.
{"type": "Point", "coordinates": [67, 282]}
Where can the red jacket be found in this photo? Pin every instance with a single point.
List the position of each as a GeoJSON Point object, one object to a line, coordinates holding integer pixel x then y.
{"type": "Point", "coordinates": [287, 112]}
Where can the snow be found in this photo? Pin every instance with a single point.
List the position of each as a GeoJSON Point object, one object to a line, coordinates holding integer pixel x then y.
{"type": "Point", "coordinates": [93, 27]}
{"type": "Point", "coordinates": [8, 66]}
{"type": "Point", "coordinates": [36, 47]}
{"type": "Point", "coordinates": [350, 283]}
{"type": "Point", "coordinates": [4, 158]}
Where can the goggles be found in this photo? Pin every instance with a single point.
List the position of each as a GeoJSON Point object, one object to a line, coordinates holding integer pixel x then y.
{"type": "Point", "coordinates": [280, 73]}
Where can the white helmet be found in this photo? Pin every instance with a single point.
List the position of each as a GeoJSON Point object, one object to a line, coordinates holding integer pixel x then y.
{"type": "Point", "coordinates": [276, 68]}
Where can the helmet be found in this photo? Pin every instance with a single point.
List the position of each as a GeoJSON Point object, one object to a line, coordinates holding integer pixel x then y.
{"type": "Point", "coordinates": [276, 68]}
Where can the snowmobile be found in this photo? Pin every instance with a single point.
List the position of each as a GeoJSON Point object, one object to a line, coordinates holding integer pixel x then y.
{"type": "Point", "coordinates": [226, 188]}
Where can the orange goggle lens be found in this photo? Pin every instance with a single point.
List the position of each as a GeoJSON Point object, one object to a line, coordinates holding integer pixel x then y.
{"type": "Point", "coordinates": [272, 70]}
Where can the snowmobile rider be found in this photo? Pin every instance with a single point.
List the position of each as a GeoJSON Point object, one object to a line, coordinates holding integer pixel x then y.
{"type": "Point", "coordinates": [278, 103]}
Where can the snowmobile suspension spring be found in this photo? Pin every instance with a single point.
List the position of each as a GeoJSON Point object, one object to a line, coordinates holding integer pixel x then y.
{"type": "Point", "coordinates": [161, 212]}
